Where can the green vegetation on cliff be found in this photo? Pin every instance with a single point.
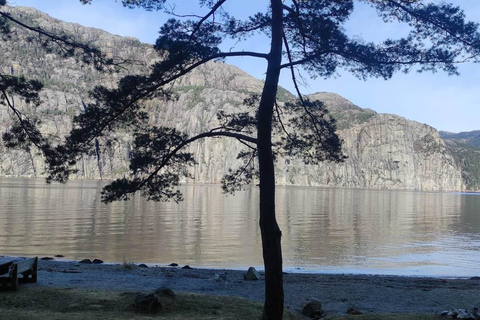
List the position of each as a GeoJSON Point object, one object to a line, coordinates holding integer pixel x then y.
{"type": "Point", "coordinates": [465, 148]}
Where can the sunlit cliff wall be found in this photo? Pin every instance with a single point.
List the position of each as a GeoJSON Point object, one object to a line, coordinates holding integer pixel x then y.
{"type": "Point", "coordinates": [384, 151]}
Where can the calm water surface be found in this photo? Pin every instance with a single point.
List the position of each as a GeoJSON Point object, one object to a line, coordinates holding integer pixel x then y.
{"type": "Point", "coordinates": [324, 230]}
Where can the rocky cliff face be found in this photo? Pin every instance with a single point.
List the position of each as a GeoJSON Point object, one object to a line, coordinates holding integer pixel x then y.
{"type": "Point", "coordinates": [385, 151]}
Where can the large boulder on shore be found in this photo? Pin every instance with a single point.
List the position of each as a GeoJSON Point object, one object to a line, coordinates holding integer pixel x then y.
{"type": "Point", "coordinates": [313, 309]}
{"type": "Point", "coordinates": [251, 274]}
{"type": "Point", "coordinates": [166, 292]}
{"type": "Point", "coordinates": [155, 302]}
{"type": "Point", "coordinates": [148, 303]}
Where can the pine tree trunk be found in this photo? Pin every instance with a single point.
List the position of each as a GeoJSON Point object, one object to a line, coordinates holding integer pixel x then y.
{"type": "Point", "coordinates": [271, 235]}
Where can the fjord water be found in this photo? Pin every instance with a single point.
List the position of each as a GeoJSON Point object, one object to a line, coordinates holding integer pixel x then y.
{"type": "Point", "coordinates": [324, 230]}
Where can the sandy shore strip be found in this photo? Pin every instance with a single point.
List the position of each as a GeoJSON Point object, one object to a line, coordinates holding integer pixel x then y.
{"type": "Point", "coordinates": [367, 293]}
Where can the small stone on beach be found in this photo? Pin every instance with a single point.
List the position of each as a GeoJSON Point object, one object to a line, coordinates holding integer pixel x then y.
{"type": "Point", "coordinates": [186, 267]}
{"type": "Point", "coordinates": [173, 264]}
{"type": "Point", "coordinates": [86, 261]}
{"type": "Point", "coordinates": [220, 277]}
{"type": "Point", "coordinates": [460, 314]}
{"type": "Point", "coordinates": [251, 274]}
{"type": "Point", "coordinates": [97, 261]}
{"type": "Point", "coordinates": [353, 311]}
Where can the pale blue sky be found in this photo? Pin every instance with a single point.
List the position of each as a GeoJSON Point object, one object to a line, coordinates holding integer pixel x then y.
{"type": "Point", "coordinates": [446, 103]}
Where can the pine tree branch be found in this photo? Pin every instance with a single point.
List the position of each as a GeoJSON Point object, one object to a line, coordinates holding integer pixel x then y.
{"type": "Point", "coordinates": [150, 91]}
{"type": "Point", "coordinates": [300, 96]}
{"type": "Point", "coordinates": [33, 139]}
{"type": "Point", "coordinates": [242, 171]}
{"type": "Point", "coordinates": [428, 19]}
{"type": "Point", "coordinates": [61, 41]}
{"type": "Point", "coordinates": [173, 152]}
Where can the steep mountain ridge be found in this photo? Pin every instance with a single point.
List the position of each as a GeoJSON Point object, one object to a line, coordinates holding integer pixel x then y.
{"type": "Point", "coordinates": [470, 138]}
{"type": "Point", "coordinates": [385, 151]}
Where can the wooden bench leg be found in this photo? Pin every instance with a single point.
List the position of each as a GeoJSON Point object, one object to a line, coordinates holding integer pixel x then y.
{"type": "Point", "coordinates": [33, 272]}
{"type": "Point", "coordinates": [30, 276]}
{"type": "Point", "coordinates": [14, 278]}
{"type": "Point", "coordinates": [4, 284]}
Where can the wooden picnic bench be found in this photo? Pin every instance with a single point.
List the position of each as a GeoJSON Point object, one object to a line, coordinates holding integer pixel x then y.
{"type": "Point", "coordinates": [10, 271]}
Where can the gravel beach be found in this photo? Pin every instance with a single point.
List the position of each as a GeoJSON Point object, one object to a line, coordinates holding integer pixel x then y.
{"type": "Point", "coordinates": [367, 293]}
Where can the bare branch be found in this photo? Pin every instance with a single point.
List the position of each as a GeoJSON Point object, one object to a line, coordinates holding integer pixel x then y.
{"type": "Point", "coordinates": [300, 97]}
{"type": "Point", "coordinates": [246, 144]}
{"type": "Point", "coordinates": [239, 173]}
{"type": "Point", "coordinates": [281, 122]}
{"type": "Point", "coordinates": [199, 24]}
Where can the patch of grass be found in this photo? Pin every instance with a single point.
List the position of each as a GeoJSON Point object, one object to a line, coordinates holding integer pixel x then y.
{"type": "Point", "coordinates": [284, 95]}
{"type": "Point", "coordinates": [126, 265]}
{"type": "Point", "coordinates": [387, 317]}
{"type": "Point", "coordinates": [35, 303]}
{"type": "Point", "coordinates": [345, 119]}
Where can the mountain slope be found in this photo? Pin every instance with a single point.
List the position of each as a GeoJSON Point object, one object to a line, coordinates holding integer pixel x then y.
{"type": "Point", "coordinates": [385, 151]}
{"type": "Point", "coordinates": [465, 148]}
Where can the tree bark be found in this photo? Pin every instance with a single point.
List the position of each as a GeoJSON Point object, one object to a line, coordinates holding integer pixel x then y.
{"type": "Point", "coordinates": [271, 234]}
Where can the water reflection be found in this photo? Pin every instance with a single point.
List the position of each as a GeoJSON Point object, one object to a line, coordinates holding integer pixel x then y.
{"type": "Point", "coordinates": [327, 230]}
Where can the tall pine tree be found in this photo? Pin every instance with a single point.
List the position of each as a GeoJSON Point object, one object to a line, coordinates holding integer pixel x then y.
{"type": "Point", "coordinates": [303, 34]}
